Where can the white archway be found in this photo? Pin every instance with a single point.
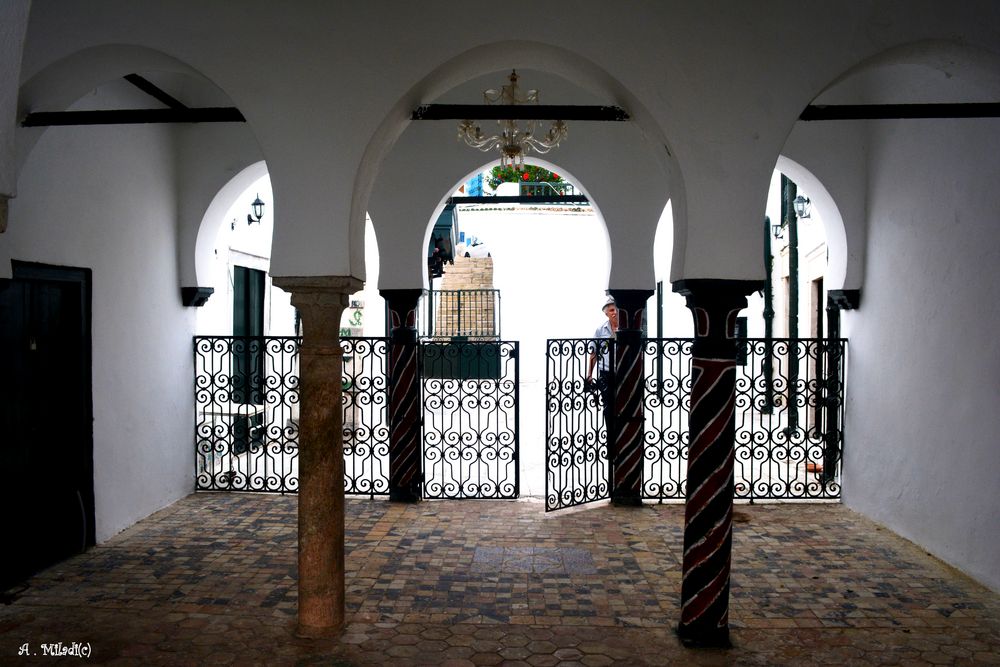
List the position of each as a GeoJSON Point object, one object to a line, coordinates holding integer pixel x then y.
{"type": "Point", "coordinates": [628, 166]}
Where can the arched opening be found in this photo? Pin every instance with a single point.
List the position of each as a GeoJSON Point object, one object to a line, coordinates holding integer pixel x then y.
{"type": "Point", "coordinates": [613, 164]}
{"type": "Point", "coordinates": [547, 268]}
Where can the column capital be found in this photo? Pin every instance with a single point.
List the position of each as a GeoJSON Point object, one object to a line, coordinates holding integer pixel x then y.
{"type": "Point", "coordinates": [319, 291]}
{"type": "Point", "coordinates": [709, 292]}
{"type": "Point", "coordinates": [631, 304]}
{"type": "Point", "coordinates": [402, 306]}
{"type": "Point", "coordinates": [715, 305]}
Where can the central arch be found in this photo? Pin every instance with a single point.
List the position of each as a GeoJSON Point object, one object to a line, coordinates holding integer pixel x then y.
{"type": "Point", "coordinates": [629, 168]}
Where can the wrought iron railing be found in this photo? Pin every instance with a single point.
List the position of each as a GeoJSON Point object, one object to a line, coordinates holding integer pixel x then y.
{"type": "Point", "coordinates": [472, 313]}
{"type": "Point", "coordinates": [789, 416]}
{"type": "Point", "coordinates": [546, 189]}
{"type": "Point", "coordinates": [247, 414]}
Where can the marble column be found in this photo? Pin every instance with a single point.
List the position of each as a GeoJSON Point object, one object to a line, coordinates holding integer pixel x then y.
{"type": "Point", "coordinates": [625, 451]}
{"type": "Point", "coordinates": [320, 301]}
{"type": "Point", "coordinates": [708, 514]}
{"type": "Point", "coordinates": [404, 395]}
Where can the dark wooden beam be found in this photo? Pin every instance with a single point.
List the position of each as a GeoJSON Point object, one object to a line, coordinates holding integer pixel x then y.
{"type": "Point", "coordinates": [900, 111]}
{"type": "Point", "coordinates": [518, 199]}
{"type": "Point", "coordinates": [157, 93]}
{"type": "Point", "coordinates": [133, 116]}
{"type": "Point", "coordinates": [517, 112]}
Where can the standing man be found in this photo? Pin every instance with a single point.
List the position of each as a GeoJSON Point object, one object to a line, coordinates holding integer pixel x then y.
{"type": "Point", "coordinates": [601, 358]}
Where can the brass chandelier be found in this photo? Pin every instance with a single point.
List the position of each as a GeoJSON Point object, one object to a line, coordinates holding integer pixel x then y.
{"type": "Point", "coordinates": [513, 142]}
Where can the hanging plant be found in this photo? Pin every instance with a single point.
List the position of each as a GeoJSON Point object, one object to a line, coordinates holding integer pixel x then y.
{"type": "Point", "coordinates": [530, 174]}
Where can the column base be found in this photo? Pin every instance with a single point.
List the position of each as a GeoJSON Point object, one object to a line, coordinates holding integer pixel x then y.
{"type": "Point", "coordinates": [704, 638]}
{"type": "Point", "coordinates": [318, 632]}
{"type": "Point", "coordinates": [622, 500]}
{"type": "Point", "coordinates": [403, 496]}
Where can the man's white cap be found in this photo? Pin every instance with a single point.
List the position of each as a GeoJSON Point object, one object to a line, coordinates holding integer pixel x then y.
{"type": "Point", "coordinates": [609, 302]}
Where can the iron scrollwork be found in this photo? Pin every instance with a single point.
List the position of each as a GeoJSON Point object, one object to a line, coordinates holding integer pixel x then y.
{"type": "Point", "coordinates": [788, 419]}
{"type": "Point", "coordinates": [576, 437]}
{"type": "Point", "coordinates": [247, 414]}
{"type": "Point", "coordinates": [470, 411]}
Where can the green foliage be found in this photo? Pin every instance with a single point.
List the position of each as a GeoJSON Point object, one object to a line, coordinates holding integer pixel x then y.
{"type": "Point", "coordinates": [530, 174]}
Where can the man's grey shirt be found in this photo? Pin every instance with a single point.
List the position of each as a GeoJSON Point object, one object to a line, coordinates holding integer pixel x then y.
{"type": "Point", "coordinates": [603, 360]}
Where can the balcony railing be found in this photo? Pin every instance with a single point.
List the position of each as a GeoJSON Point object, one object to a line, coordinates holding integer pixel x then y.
{"type": "Point", "coordinates": [467, 314]}
{"type": "Point", "coordinates": [547, 189]}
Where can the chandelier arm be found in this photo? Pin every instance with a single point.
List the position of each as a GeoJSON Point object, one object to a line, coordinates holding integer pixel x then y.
{"type": "Point", "coordinates": [513, 142]}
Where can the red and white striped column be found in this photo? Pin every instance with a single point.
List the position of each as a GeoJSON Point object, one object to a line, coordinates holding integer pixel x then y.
{"type": "Point", "coordinates": [404, 395]}
{"type": "Point", "coordinates": [708, 516]}
{"type": "Point", "coordinates": [627, 418]}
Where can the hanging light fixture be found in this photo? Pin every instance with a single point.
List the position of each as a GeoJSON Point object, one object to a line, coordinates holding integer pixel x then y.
{"type": "Point", "coordinates": [257, 208]}
{"type": "Point", "coordinates": [513, 142]}
{"type": "Point", "coordinates": [802, 206]}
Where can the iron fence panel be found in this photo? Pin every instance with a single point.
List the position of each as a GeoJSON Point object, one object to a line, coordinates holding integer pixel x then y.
{"type": "Point", "coordinates": [366, 418]}
{"type": "Point", "coordinates": [788, 417]}
{"type": "Point", "coordinates": [470, 409]}
{"type": "Point", "coordinates": [246, 434]}
{"type": "Point", "coordinates": [667, 403]}
{"type": "Point", "coordinates": [247, 415]}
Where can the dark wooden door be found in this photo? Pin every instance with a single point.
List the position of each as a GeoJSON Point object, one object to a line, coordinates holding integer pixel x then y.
{"type": "Point", "coordinates": [46, 440]}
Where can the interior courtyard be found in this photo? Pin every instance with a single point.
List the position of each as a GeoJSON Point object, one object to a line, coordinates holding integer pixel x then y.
{"type": "Point", "coordinates": [129, 135]}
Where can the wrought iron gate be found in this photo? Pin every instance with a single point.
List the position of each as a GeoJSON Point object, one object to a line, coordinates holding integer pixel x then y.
{"type": "Point", "coordinates": [246, 421]}
{"type": "Point", "coordinates": [470, 430]}
{"type": "Point", "coordinates": [576, 438]}
{"type": "Point", "coordinates": [789, 416]}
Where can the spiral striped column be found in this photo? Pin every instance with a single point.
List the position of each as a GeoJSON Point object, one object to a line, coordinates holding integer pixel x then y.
{"type": "Point", "coordinates": [627, 419]}
{"type": "Point", "coordinates": [708, 515]}
{"type": "Point", "coordinates": [404, 395]}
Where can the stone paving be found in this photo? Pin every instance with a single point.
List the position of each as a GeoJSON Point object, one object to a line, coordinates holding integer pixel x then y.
{"type": "Point", "coordinates": [210, 580]}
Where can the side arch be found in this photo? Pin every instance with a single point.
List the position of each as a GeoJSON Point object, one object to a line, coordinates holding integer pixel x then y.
{"type": "Point", "coordinates": [207, 154]}
{"type": "Point", "coordinates": [214, 218]}
{"type": "Point", "coordinates": [833, 222]}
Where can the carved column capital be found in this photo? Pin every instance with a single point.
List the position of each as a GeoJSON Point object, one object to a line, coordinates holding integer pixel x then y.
{"type": "Point", "coordinates": [321, 300]}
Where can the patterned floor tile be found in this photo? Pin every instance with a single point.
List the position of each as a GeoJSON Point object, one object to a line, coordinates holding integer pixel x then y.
{"type": "Point", "coordinates": [212, 580]}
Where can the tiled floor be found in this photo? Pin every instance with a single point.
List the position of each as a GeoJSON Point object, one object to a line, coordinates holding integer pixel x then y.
{"type": "Point", "coordinates": [211, 580]}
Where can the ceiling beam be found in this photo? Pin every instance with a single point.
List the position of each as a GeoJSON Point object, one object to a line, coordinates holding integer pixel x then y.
{"type": "Point", "coordinates": [517, 112]}
{"type": "Point", "coordinates": [900, 111]}
{"type": "Point", "coordinates": [154, 91]}
{"type": "Point", "coordinates": [133, 116]}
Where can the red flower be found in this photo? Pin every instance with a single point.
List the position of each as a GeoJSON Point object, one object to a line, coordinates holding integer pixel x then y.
{"type": "Point", "coordinates": [525, 176]}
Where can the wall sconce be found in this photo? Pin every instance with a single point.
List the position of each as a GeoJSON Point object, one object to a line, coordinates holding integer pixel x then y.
{"type": "Point", "coordinates": [777, 230]}
{"type": "Point", "coordinates": [258, 211]}
{"type": "Point", "coordinates": [802, 206]}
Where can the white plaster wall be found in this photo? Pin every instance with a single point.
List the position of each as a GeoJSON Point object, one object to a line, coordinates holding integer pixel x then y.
{"type": "Point", "coordinates": [104, 198]}
{"type": "Point", "coordinates": [210, 157]}
{"type": "Point", "coordinates": [924, 359]}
